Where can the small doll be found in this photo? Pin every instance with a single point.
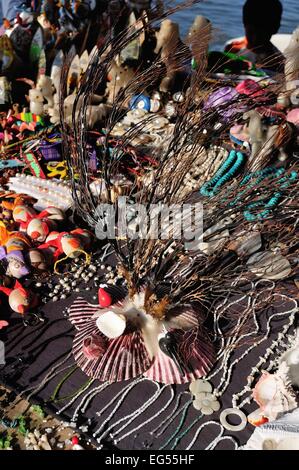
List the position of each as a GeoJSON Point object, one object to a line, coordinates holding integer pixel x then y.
{"type": "Point", "coordinates": [71, 244]}
{"type": "Point", "coordinates": [20, 300]}
{"type": "Point", "coordinates": [38, 226]}
{"type": "Point", "coordinates": [12, 252]}
{"type": "Point", "coordinates": [17, 251]}
{"type": "Point", "coordinates": [45, 86]}
{"type": "Point", "coordinates": [36, 102]}
{"type": "Point", "coordinates": [22, 214]}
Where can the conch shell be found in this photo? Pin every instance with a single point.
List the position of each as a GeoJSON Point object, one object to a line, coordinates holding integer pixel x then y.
{"type": "Point", "coordinates": [291, 359]}
{"type": "Point", "coordinates": [274, 395]}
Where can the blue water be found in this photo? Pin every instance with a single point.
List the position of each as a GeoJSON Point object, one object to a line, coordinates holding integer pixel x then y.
{"type": "Point", "coordinates": [226, 16]}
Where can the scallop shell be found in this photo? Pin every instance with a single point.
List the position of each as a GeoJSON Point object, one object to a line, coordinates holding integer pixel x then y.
{"type": "Point", "coordinates": [269, 265]}
{"type": "Point", "coordinates": [117, 359]}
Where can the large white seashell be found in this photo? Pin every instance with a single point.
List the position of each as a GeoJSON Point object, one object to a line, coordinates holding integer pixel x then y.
{"type": "Point", "coordinates": [269, 265]}
{"type": "Point", "coordinates": [281, 434]}
{"type": "Point", "coordinates": [111, 324]}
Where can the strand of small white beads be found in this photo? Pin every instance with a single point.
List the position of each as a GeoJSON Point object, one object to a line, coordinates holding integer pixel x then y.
{"type": "Point", "coordinates": [123, 393]}
{"type": "Point", "coordinates": [48, 377]}
{"type": "Point", "coordinates": [137, 428]}
{"type": "Point", "coordinates": [225, 305]}
{"type": "Point", "coordinates": [280, 341]}
{"type": "Point", "coordinates": [200, 428]}
{"type": "Point", "coordinates": [168, 420]}
{"type": "Point", "coordinates": [221, 439]}
{"type": "Point", "coordinates": [45, 381]}
{"type": "Point", "coordinates": [227, 348]}
{"type": "Point", "coordinates": [181, 409]}
{"type": "Point", "coordinates": [132, 416]}
{"type": "Point", "coordinates": [227, 366]}
{"type": "Point", "coordinates": [75, 397]}
{"type": "Point", "coordinates": [257, 343]}
{"type": "Point", "coordinates": [90, 394]}
{"type": "Point", "coordinates": [227, 370]}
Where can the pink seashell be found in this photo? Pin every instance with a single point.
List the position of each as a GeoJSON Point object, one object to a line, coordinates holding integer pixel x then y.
{"type": "Point", "coordinates": [274, 394]}
{"type": "Point", "coordinates": [293, 116]}
{"type": "Point", "coordinates": [93, 347]}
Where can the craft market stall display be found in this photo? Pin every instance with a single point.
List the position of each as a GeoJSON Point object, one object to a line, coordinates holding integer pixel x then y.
{"type": "Point", "coordinates": [134, 331]}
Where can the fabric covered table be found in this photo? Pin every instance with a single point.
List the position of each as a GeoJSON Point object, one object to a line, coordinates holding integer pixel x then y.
{"type": "Point", "coordinates": [33, 351]}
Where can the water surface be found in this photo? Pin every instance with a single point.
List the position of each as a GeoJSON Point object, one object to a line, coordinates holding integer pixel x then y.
{"type": "Point", "coordinates": [226, 16]}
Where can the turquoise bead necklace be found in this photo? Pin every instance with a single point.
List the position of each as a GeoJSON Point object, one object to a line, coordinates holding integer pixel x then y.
{"type": "Point", "coordinates": [231, 167]}
{"type": "Point", "coordinates": [225, 173]}
{"type": "Point", "coordinates": [272, 202]}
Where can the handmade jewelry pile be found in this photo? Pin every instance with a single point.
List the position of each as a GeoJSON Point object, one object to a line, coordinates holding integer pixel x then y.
{"type": "Point", "coordinates": [115, 140]}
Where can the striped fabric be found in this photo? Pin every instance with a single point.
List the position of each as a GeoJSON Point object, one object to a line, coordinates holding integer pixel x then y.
{"type": "Point", "coordinates": [126, 357]}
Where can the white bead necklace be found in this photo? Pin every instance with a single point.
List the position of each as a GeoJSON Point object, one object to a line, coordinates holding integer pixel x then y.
{"type": "Point", "coordinates": [123, 393]}
{"type": "Point", "coordinates": [148, 420]}
{"type": "Point", "coordinates": [75, 397]}
{"type": "Point", "coordinates": [86, 399]}
{"type": "Point", "coordinates": [131, 417]}
{"type": "Point", "coordinates": [164, 424]}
